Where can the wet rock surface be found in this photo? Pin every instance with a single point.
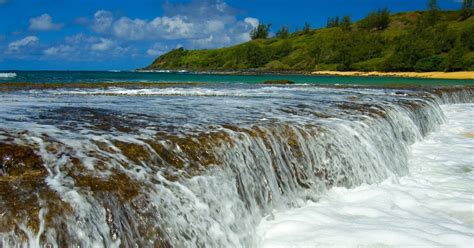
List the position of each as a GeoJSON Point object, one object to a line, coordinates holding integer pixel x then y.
{"type": "Point", "coordinates": [198, 170]}
{"type": "Point", "coordinates": [279, 82]}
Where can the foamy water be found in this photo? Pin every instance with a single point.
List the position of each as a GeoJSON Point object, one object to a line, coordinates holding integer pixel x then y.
{"type": "Point", "coordinates": [431, 207]}
{"type": "Point", "coordinates": [7, 75]}
{"type": "Point", "coordinates": [188, 166]}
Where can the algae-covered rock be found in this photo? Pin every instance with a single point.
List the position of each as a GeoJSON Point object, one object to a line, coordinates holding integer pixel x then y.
{"type": "Point", "coordinates": [24, 191]}
{"type": "Point", "coordinates": [16, 160]}
{"type": "Point", "coordinates": [280, 81]}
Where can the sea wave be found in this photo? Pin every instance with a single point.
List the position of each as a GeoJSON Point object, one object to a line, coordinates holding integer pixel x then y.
{"type": "Point", "coordinates": [435, 196]}
{"type": "Point", "coordinates": [178, 91]}
{"type": "Point", "coordinates": [7, 75]}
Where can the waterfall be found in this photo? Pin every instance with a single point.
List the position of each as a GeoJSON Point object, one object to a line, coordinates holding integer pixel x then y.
{"type": "Point", "coordinates": [205, 189]}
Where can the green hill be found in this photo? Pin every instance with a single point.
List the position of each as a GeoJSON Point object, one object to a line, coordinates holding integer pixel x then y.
{"type": "Point", "coordinates": [414, 41]}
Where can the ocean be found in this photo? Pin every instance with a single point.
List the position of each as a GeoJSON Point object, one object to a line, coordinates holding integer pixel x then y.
{"type": "Point", "coordinates": [184, 77]}
{"type": "Point", "coordinates": [128, 159]}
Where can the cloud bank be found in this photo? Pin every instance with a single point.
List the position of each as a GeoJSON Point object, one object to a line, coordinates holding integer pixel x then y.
{"type": "Point", "coordinates": [44, 22]}
{"type": "Point", "coordinates": [197, 24]}
{"type": "Point", "coordinates": [202, 24]}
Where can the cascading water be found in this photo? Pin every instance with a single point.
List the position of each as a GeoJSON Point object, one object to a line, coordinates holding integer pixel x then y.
{"type": "Point", "coordinates": [192, 166]}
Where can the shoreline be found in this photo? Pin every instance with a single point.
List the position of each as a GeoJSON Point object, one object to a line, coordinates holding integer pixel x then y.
{"type": "Point", "coordinates": [469, 75]}
{"type": "Point", "coordinates": [459, 75]}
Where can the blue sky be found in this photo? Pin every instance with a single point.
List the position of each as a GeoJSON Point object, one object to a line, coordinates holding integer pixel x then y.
{"type": "Point", "coordinates": [129, 34]}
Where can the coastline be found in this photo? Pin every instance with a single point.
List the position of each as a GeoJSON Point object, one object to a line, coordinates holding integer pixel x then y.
{"type": "Point", "coordinates": [459, 75]}
{"type": "Point", "coordinates": [432, 75]}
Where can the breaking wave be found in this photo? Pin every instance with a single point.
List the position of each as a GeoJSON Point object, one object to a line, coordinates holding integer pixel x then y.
{"type": "Point", "coordinates": [180, 171]}
{"type": "Point", "coordinates": [6, 75]}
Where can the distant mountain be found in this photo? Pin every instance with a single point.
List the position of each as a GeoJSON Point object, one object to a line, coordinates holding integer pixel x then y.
{"type": "Point", "coordinates": [413, 41]}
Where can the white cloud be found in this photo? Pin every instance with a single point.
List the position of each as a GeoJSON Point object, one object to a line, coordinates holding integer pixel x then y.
{"type": "Point", "coordinates": [44, 22]}
{"type": "Point", "coordinates": [200, 9]}
{"type": "Point", "coordinates": [209, 41]}
{"type": "Point", "coordinates": [23, 44]}
{"type": "Point", "coordinates": [199, 23]}
{"type": "Point", "coordinates": [103, 45]}
{"type": "Point", "coordinates": [195, 24]}
{"type": "Point", "coordinates": [85, 48]}
{"type": "Point", "coordinates": [59, 51]}
{"type": "Point", "coordinates": [129, 29]}
{"type": "Point", "coordinates": [102, 21]}
{"type": "Point", "coordinates": [215, 26]}
{"type": "Point", "coordinates": [251, 21]}
{"type": "Point", "coordinates": [157, 49]}
{"type": "Point", "coordinates": [79, 39]}
{"type": "Point", "coordinates": [72, 48]}
{"type": "Point", "coordinates": [175, 27]}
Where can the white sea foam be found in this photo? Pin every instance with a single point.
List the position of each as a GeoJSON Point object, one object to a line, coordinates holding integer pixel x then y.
{"type": "Point", "coordinates": [163, 92]}
{"type": "Point", "coordinates": [205, 91]}
{"type": "Point", "coordinates": [4, 75]}
{"type": "Point", "coordinates": [431, 207]}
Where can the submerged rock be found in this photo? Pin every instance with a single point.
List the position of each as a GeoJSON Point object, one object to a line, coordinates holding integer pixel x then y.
{"type": "Point", "coordinates": [17, 160]}
{"type": "Point", "coordinates": [280, 81]}
{"type": "Point", "coordinates": [25, 198]}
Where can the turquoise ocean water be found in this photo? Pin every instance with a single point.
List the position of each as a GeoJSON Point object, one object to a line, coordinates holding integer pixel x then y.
{"type": "Point", "coordinates": [128, 76]}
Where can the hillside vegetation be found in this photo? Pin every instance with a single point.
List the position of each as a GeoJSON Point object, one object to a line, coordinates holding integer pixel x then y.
{"type": "Point", "coordinates": [415, 41]}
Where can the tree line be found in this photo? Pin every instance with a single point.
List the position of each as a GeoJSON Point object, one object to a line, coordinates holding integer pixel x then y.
{"type": "Point", "coordinates": [431, 40]}
{"type": "Point", "coordinates": [374, 21]}
{"type": "Point", "coordinates": [428, 46]}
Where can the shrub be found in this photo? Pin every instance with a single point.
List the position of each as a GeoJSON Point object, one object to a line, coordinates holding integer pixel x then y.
{"type": "Point", "coordinates": [466, 10]}
{"type": "Point", "coordinates": [283, 33]}
{"type": "Point", "coordinates": [376, 20]}
{"type": "Point", "coordinates": [455, 59]}
{"type": "Point", "coordinates": [260, 32]}
{"type": "Point", "coordinates": [306, 28]}
{"type": "Point", "coordinates": [333, 22]}
{"type": "Point", "coordinates": [432, 63]}
{"type": "Point", "coordinates": [346, 23]}
{"type": "Point", "coordinates": [467, 38]}
{"type": "Point", "coordinates": [276, 65]}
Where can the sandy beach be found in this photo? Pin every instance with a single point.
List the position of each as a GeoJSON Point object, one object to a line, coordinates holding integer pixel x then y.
{"type": "Point", "coordinates": [437, 75]}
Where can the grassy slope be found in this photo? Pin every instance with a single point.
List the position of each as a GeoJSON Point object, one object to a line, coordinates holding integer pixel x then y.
{"type": "Point", "coordinates": [319, 49]}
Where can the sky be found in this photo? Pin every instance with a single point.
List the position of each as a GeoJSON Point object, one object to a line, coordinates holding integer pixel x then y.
{"type": "Point", "coordinates": [130, 34]}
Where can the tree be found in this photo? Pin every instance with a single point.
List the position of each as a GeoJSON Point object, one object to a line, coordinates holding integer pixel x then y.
{"type": "Point", "coordinates": [466, 10]}
{"type": "Point", "coordinates": [433, 12]}
{"type": "Point", "coordinates": [260, 32]}
{"type": "Point", "coordinates": [281, 50]}
{"type": "Point", "coordinates": [442, 38]}
{"type": "Point", "coordinates": [408, 50]}
{"type": "Point", "coordinates": [306, 28]}
{"type": "Point", "coordinates": [432, 63]}
{"type": "Point", "coordinates": [333, 22]}
{"type": "Point", "coordinates": [467, 39]}
{"type": "Point", "coordinates": [455, 58]}
{"type": "Point", "coordinates": [283, 33]}
{"type": "Point", "coordinates": [383, 19]}
{"type": "Point", "coordinates": [376, 20]}
{"type": "Point", "coordinates": [346, 23]}
{"type": "Point", "coordinates": [255, 56]}
{"type": "Point", "coordinates": [433, 5]}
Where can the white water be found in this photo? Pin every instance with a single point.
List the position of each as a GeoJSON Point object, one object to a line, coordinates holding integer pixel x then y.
{"type": "Point", "coordinates": [7, 75]}
{"type": "Point", "coordinates": [277, 163]}
{"type": "Point", "coordinates": [433, 206]}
